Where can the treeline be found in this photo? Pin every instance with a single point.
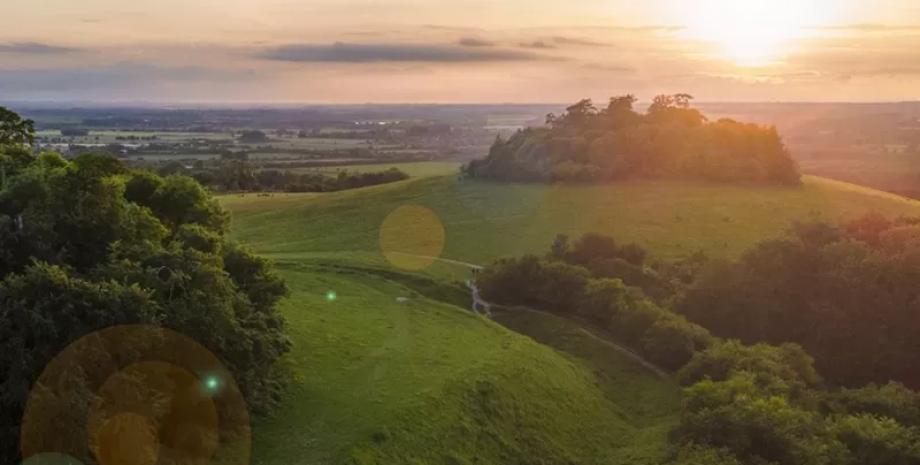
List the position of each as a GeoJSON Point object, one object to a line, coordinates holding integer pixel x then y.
{"type": "Point", "coordinates": [88, 244]}
{"type": "Point", "coordinates": [746, 404]}
{"type": "Point", "coordinates": [847, 292]}
{"type": "Point", "coordinates": [670, 140]}
{"type": "Point", "coordinates": [241, 176]}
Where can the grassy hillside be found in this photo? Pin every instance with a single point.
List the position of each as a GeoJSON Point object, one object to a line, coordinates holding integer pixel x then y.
{"type": "Point", "coordinates": [487, 220]}
{"type": "Point", "coordinates": [378, 381]}
{"type": "Point", "coordinates": [382, 382]}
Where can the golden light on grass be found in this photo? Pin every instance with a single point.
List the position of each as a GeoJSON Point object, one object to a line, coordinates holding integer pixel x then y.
{"type": "Point", "coordinates": [412, 237]}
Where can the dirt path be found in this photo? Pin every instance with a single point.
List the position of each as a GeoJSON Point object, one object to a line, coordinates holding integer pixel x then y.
{"type": "Point", "coordinates": [478, 302]}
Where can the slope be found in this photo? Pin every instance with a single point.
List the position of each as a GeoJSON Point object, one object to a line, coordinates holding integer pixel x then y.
{"type": "Point", "coordinates": [484, 221]}
{"type": "Point", "coordinates": [378, 381]}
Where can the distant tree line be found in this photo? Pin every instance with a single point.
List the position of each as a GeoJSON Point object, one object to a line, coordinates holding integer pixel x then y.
{"type": "Point", "coordinates": [745, 402]}
{"type": "Point", "coordinates": [239, 175]}
{"type": "Point", "coordinates": [670, 140]}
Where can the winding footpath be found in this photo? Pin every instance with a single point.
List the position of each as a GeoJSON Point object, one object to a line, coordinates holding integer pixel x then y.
{"type": "Point", "coordinates": [478, 302]}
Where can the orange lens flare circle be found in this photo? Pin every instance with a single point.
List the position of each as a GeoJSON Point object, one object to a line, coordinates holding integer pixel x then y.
{"type": "Point", "coordinates": [137, 395]}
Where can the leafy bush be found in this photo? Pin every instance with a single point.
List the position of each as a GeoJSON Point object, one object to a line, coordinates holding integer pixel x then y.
{"type": "Point", "coordinates": [737, 415]}
{"type": "Point", "coordinates": [892, 400]}
{"type": "Point", "coordinates": [878, 441]}
{"type": "Point", "coordinates": [672, 341]}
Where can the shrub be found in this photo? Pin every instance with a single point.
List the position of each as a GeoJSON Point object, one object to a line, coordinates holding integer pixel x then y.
{"type": "Point", "coordinates": [878, 441]}
{"type": "Point", "coordinates": [672, 340]}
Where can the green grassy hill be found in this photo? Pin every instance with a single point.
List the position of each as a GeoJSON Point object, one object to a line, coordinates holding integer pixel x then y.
{"type": "Point", "coordinates": [379, 381]}
{"type": "Point", "coordinates": [484, 221]}
{"type": "Point", "coordinates": [382, 382]}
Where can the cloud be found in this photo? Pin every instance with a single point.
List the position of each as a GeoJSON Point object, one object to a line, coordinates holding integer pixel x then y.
{"type": "Point", "coordinates": [474, 42]}
{"type": "Point", "coordinates": [577, 41]}
{"type": "Point", "coordinates": [870, 27]}
{"type": "Point", "coordinates": [538, 44]}
{"type": "Point", "coordinates": [34, 48]}
{"type": "Point", "coordinates": [114, 77]}
{"type": "Point", "coordinates": [610, 68]}
{"type": "Point", "coordinates": [438, 27]}
{"type": "Point", "coordinates": [370, 53]}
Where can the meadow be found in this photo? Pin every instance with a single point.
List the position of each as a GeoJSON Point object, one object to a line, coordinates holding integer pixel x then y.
{"type": "Point", "coordinates": [380, 381]}
{"type": "Point", "coordinates": [377, 381]}
{"type": "Point", "coordinates": [484, 221]}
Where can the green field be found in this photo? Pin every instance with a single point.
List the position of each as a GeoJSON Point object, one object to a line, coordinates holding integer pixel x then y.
{"type": "Point", "coordinates": [484, 221]}
{"type": "Point", "coordinates": [379, 381]}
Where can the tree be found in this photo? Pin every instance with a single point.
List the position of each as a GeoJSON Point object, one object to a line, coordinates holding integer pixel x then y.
{"type": "Point", "coordinates": [252, 137]}
{"type": "Point", "coordinates": [14, 130]}
{"type": "Point", "coordinates": [587, 145]}
{"type": "Point", "coordinates": [87, 244]}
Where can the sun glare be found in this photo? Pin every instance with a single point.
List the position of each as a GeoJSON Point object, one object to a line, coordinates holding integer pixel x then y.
{"type": "Point", "coordinates": [752, 32]}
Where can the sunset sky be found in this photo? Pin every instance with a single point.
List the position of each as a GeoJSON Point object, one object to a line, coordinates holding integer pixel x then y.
{"type": "Point", "coordinates": [463, 51]}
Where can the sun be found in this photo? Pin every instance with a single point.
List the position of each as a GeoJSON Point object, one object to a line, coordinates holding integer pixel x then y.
{"type": "Point", "coordinates": [751, 32]}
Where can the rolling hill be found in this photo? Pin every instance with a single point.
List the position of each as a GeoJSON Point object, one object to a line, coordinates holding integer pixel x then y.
{"type": "Point", "coordinates": [383, 381]}
{"type": "Point", "coordinates": [483, 221]}
{"type": "Point", "coordinates": [378, 381]}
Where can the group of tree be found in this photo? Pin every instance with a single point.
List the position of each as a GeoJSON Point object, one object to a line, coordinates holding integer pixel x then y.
{"type": "Point", "coordinates": [846, 292]}
{"type": "Point", "coordinates": [670, 140]}
{"type": "Point", "coordinates": [749, 402]}
{"type": "Point", "coordinates": [239, 175]}
{"type": "Point", "coordinates": [88, 244]}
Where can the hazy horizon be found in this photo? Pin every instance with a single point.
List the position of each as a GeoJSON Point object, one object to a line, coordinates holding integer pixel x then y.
{"type": "Point", "coordinates": [280, 52]}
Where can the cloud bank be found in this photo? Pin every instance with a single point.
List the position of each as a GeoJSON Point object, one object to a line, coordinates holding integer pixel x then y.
{"type": "Point", "coordinates": [370, 53]}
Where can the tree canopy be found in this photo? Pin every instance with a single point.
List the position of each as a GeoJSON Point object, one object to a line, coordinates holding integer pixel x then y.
{"type": "Point", "coordinates": [846, 292]}
{"type": "Point", "coordinates": [670, 140]}
{"type": "Point", "coordinates": [14, 130]}
{"type": "Point", "coordinates": [87, 244]}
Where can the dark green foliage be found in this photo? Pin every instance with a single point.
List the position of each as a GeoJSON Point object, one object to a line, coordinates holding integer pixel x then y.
{"type": "Point", "coordinates": [671, 341]}
{"type": "Point", "coordinates": [848, 294]}
{"type": "Point", "coordinates": [233, 174]}
{"type": "Point", "coordinates": [878, 441]}
{"type": "Point", "coordinates": [181, 200]}
{"type": "Point", "coordinates": [753, 404]}
{"type": "Point", "coordinates": [174, 167]}
{"type": "Point", "coordinates": [891, 400]}
{"type": "Point", "coordinates": [86, 244]}
{"type": "Point", "coordinates": [574, 291]}
{"type": "Point", "coordinates": [14, 130]}
{"type": "Point", "coordinates": [590, 145]}
{"type": "Point", "coordinates": [692, 454]}
{"type": "Point", "coordinates": [756, 425]}
{"type": "Point", "coordinates": [786, 369]}
{"type": "Point", "coordinates": [253, 137]}
{"type": "Point", "coordinates": [603, 299]}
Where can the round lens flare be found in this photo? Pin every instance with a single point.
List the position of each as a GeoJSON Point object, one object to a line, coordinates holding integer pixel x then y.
{"type": "Point", "coordinates": [331, 296]}
{"type": "Point", "coordinates": [137, 395]}
{"type": "Point", "coordinates": [412, 237]}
